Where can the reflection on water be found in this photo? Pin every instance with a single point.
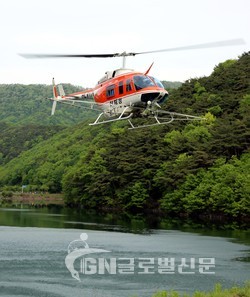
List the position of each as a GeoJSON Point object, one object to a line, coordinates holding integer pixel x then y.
{"type": "Point", "coordinates": [59, 217]}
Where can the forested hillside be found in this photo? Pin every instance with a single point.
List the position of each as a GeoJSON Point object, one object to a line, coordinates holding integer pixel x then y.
{"type": "Point", "coordinates": [27, 104]}
{"type": "Point", "coordinates": [15, 139]}
{"type": "Point", "coordinates": [190, 168]}
{"type": "Point", "coordinates": [25, 118]}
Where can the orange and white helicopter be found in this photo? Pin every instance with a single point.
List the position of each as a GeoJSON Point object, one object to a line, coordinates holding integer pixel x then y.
{"type": "Point", "coordinates": [125, 94]}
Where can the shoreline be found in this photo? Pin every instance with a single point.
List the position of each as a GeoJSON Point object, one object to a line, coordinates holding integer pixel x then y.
{"type": "Point", "coordinates": [33, 199]}
{"type": "Point", "coordinates": [45, 199]}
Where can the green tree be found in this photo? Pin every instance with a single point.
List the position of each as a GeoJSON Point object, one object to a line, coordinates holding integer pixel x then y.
{"type": "Point", "coordinates": [134, 197]}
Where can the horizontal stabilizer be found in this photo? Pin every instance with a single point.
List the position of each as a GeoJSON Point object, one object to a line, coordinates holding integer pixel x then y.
{"type": "Point", "coordinates": [61, 90]}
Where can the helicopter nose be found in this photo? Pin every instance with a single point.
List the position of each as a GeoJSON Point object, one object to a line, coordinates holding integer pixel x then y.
{"type": "Point", "coordinates": [158, 97]}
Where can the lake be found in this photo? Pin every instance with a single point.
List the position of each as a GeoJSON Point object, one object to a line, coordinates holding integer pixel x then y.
{"type": "Point", "coordinates": [124, 256]}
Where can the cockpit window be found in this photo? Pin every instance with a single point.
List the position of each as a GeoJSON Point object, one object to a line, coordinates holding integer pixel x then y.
{"type": "Point", "coordinates": [157, 82]}
{"type": "Point", "coordinates": [142, 81]}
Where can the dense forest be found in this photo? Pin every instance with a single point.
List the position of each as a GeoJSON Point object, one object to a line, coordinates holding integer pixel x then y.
{"type": "Point", "coordinates": [16, 139]}
{"type": "Point", "coordinates": [27, 104]}
{"type": "Point", "coordinates": [192, 168]}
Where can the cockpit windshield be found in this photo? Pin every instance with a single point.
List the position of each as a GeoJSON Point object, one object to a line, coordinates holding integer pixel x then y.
{"type": "Point", "coordinates": [142, 81]}
{"type": "Point", "coordinates": [157, 82]}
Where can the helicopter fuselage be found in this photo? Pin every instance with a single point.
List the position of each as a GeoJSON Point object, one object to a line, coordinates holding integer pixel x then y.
{"type": "Point", "coordinates": [124, 88]}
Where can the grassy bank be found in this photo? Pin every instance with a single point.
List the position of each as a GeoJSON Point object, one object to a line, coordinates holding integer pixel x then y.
{"type": "Point", "coordinates": [217, 292]}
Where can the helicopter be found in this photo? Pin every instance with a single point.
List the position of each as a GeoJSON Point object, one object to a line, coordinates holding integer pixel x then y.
{"type": "Point", "coordinates": [126, 94]}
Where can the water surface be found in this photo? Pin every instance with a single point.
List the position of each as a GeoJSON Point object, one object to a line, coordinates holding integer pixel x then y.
{"type": "Point", "coordinates": [34, 243]}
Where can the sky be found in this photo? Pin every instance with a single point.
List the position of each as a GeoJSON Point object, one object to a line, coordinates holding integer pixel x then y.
{"type": "Point", "coordinates": [110, 26]}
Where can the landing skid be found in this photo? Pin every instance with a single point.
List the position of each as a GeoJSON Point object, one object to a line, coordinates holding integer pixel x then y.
{"type": "Point", "coordinates": [102, 115]}
{"type": "Point", "coordinates": [162, 117]}
{"type": "Point", "coordinates": [157, 117]}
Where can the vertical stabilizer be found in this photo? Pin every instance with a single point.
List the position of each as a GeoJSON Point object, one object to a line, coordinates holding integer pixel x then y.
{"type": "Point", "coordinates": [55, 95]}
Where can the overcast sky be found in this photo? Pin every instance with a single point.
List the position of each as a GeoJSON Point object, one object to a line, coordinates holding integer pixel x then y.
{"type": "Point", "coordinates": [110, 26]}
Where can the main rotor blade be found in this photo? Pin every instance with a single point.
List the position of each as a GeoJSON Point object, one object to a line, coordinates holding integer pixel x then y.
{"type": "Point", "coordinates": [41, 56]}
{"type": "Point", "coordinates": [230, 42]}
